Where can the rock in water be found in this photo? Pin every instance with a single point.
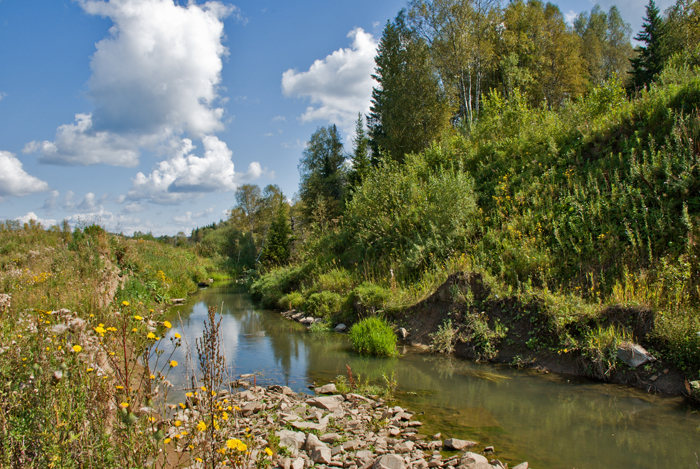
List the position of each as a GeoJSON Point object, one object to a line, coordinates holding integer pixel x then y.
{"type": "Point", "coordinates": [340, 328]}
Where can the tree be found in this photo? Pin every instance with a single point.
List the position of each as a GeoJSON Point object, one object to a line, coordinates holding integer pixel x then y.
{"type": "Point", "coordinates": [650, 57]}
{"type": "Point", "coordinates": [461, 35]}
{"type": "Point", "coordinates": [409, 109]}
{"type": "Point", "coordinates": [683, 27]}
{"type": "Point", "coordinates": [605, 41]}
{"type": "Point", "coordinates": [539, 54]}
{"type": "Point", "coordinates": [322, 173]}
{"type": "Point", "coordinates": [360, 155]}
{"type": "Point", "coordinates": [277, 247]}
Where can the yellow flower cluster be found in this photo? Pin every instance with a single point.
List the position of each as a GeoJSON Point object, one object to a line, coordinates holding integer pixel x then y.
{"type": "Point", "coordinates": [236, 444]}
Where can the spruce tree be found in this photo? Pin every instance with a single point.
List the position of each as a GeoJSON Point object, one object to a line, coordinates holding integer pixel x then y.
{"type": "Point", "coordinates": [277, 248]}
{"type": "Point", "coordinates": [650, 57]}
{"type": "Point", "coordinates": [360, 155]}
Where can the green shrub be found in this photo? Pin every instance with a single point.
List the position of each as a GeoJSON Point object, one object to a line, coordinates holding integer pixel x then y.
{"type": "Point", "coordinates": [368, 299]}
{"type": "Point", "coordinates": [374, 336]}
{"type": "Point", "coordinates": [336, 280]}
{"type": "Point", "coordinates": [293, 300]}
{"type": "Point", "coordinates": [323, 304]}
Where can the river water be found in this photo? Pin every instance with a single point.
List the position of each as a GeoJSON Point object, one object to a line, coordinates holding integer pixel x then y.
{"type": "Point", "coordinates": [551, 421]}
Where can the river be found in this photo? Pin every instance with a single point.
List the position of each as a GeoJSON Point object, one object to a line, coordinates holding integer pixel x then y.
{"type": "Point", "coordinates": [552, 421]}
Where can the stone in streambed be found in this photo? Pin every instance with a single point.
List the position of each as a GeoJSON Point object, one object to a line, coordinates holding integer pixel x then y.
{"type": "Point", "coordinates": [326, 389]}
{"type": "Point", "coordinates": [524, 465]}
{"type": "Point", "coordinates": [389, 461]}
{"type": "Point", "coordinates": [330, 403]}
{"type": "Point", "coordinates": [457, 445]}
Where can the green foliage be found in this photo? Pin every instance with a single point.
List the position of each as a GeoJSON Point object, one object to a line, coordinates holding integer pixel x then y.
{"type": "Point", "coordinates": [599, 346]}
{"type": "Point", "coordinates": [483, 339]}
{"type": "Point", "coordinates": [368, 299]}
{"type": "Point", "coordinates": [323, 304]}
{"type": "Point", "coordinates": [277, 247]}
{"type": "Point", "coordinates": [374, 336]}
{"type": "Point", "coordinates": [413, 212]}
{"type": "Point", "coordinates": [293, 300]}
{"type": "Point", "coordinates": [322, 173]}
{"type": "Point", "coordinates": [445, 339]}
{"type": "Point", "coordinates": [409, 109]}
{"type": "Point", "coordinates": [652, 56]}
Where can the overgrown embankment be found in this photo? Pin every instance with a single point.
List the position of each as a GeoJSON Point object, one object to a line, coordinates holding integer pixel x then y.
{"type": "Point", "coordinates": [583, 221]}
{"type": "Point", "coordinates": [80, 312]}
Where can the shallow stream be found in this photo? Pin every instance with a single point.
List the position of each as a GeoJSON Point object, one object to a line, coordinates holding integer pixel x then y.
{"type": "Point", "coordinates": [551, 421]}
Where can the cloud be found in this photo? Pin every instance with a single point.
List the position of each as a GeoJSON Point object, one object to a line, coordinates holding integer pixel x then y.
{"type": "Point", "coordinates": [33, 216]}
{"type": "Point", "coordinates": [338, 86]}
{"type": "Point", "coordinates": [51, 202]}
{"type": "Point", "coordinates": [3, 95]}
{"type": "Point", "coordinates": [185, 176]}
{"type": "Point", "coordinates": [156, 76]}
{"type": "Point", "coordinates": [279, 119]}
{"type": "Point", "coordinates": [15, 181]}
{"type": "Point", "coordinates": [134, 207]}
{"type": "Point", "coordinates": [570, 16]}
{"type": "Point", "coordinates": [188, 218]}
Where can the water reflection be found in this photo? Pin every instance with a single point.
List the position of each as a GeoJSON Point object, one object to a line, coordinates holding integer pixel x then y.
{"type": "Point", "coordinates": [549, 420]}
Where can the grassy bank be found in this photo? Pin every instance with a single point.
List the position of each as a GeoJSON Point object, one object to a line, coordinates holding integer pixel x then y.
{"type": "Point", "coordinates": [81, 313]}
{"type": "Point", "coordinates": [574, 210]}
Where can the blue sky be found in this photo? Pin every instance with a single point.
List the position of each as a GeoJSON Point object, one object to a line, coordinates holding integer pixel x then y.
{"type": "Point", "coordinates": [148, 114]}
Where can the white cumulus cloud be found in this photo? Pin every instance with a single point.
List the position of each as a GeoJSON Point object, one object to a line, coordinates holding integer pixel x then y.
{"type": "Point", "coordinates": [338, 86]}
{"type": "Point", "coordinates": [157, 75]}
{"type": "Point", "coordinates": [185, 175]}
{"type": "Point", "coordinates": [14, 180]}
{"type": "Point", "coordinates": [33, 216]}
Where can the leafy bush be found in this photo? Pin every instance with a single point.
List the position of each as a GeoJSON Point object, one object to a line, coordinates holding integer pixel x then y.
{"type": "Point", "coordinates": [368, 298]}
{"type": "Point", "coordinates": [336, 280]}
{"type": "Point", "coordinates": [293, 300]}
{"type": "Point", "coordinates": [323, 304]}
{"type": "Point", "coordinates": [445, 339]}
{"type": "Point", "coordinates": [415, 212]}
{"type": "Point", "coordinates": [374, 336]}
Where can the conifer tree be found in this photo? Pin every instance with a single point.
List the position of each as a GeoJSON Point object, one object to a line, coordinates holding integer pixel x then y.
{"type": "Point", "coordinates": [360, 155]}
{"type": "Point", "coordinates": [277, 248]}
{"type": "Point", "coordinates": [650, 57]}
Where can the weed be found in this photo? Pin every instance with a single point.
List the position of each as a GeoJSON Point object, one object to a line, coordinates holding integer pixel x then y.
{"type": "Point", "coordinates": [373, 336]}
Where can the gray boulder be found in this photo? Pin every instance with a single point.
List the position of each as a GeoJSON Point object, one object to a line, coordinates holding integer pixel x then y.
{"type": "Point", "coordinates": [291, 440]}
{"type": "Point", "coordinates": [330, 403]}
{"type": "Point", "coordinates": [326, 389]}
{"type": "Point", "coordinates": [389, 461]}
{"type": "Point", "coordinates": [634, 354]}
{"type": "Point", "coordinates": [340, 328]}
{"type": "Point", "coordinates": [320, 455]}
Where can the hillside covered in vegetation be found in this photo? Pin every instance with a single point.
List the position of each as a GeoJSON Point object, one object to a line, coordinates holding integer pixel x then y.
{"type": "Point", "coordinates": [567, 180]}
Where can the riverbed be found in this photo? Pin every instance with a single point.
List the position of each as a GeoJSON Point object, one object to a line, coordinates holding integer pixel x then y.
{"type": "Point", "coordinates": [551, 421]}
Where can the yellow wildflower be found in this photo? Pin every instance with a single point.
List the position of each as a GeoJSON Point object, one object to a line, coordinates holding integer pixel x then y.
{"type": "Point", "coordinates": [173, 363]}
{"type": "Point", "coordinates": [268, 451]}
{"type": "Point", "coordinates": [236, 407]}
{"type": "Point", "coordinates": [124, 404]}
{"type": "Point", "coordinates": [120, 387]}
{"type": "Point", "coordinates": [125, 303]}
{"type": "Point", "coordinates": [90, 369]}
{"type": "Point", "coordinates": [151, 335]}
{"type": "Point", "coordinates": [177, 336]}
{"type": "Point", "coordinates": [182, 405]}
{"type": "Point", "coordinates": [134, 330]}
{"type": "Point", "coordinates": [167, 324]}
{"type": "Point", "coordinates": [138, 318]}
{"type": "Point", "coordinates": [77, 348]}
{"type": "Point", "coordinates": [201, 426]}
{"type": "Point", "coordinates": [177, 423]}
{"type": "Point", "coordinates": [153, 376]}
{"type": "Point", "coordinates": [167, 440]}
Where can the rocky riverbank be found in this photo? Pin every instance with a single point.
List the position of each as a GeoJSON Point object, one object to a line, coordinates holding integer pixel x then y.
{"type": "Point", "coordinates": [349, 431]}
